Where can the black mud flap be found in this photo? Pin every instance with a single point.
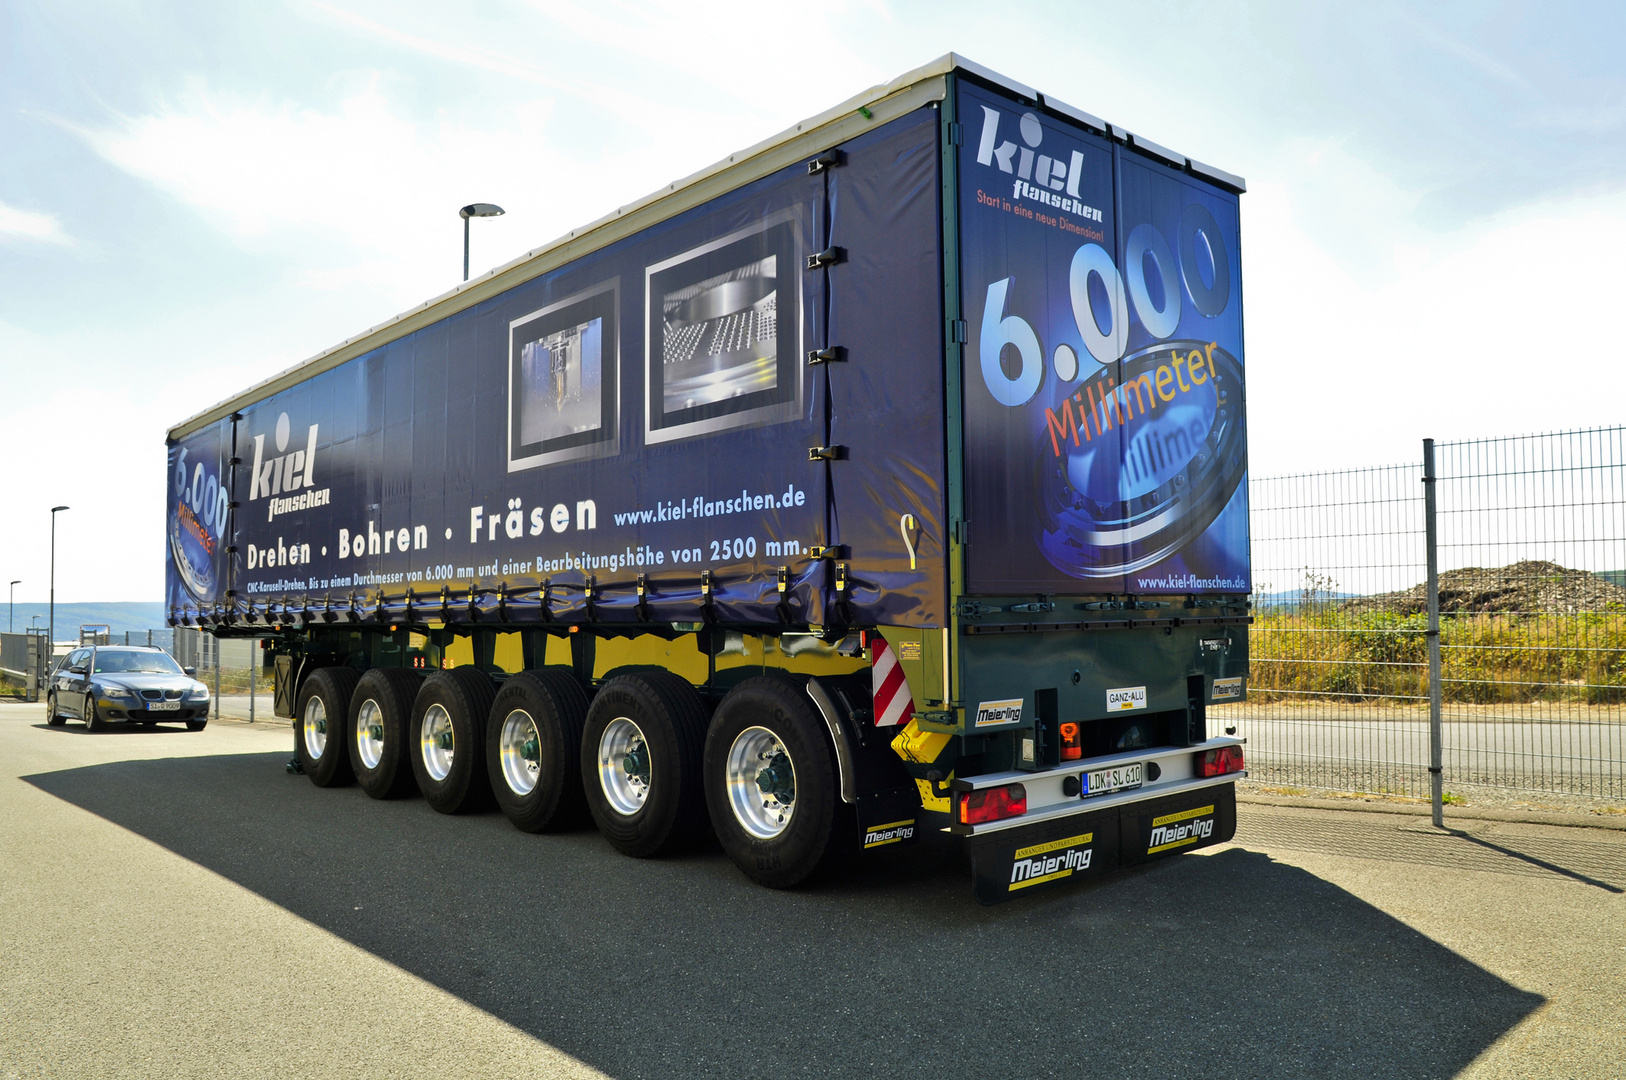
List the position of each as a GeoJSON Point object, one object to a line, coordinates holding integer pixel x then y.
{"type": "Point", "coordinates": [1179, 823]}
{"type": "Point", "coordinates": [1014, 862]}
{"type": "Point", "coordinates": [888, 819]}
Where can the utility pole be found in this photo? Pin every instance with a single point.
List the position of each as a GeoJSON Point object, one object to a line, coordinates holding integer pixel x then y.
{"type": "Point", "coordinates": [51, 648]}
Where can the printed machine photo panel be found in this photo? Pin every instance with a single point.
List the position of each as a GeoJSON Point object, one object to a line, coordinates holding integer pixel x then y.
{"type": "Point", "coordinates": [724, 335]}
{"type": "Point", "coordinates": [562, 364]}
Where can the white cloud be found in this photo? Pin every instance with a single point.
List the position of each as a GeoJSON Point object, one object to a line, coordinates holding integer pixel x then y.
{"type": "Point", "coordinates": [28, 225]}
{"type": "Point", "coordinates": [1492, 329]}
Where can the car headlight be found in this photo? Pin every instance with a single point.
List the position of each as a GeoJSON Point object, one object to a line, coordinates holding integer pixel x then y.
{"type": "Point", "coordinates": [198, 693]}
{"type": "Point", "coordinates": [116, 691]}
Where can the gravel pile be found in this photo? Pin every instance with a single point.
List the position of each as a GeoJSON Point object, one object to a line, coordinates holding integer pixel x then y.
{"type": "Point", "coordinates": [1530, 587]}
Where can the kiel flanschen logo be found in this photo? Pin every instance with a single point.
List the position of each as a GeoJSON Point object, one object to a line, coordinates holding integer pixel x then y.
{"type": "Point", "coordinates": [287, 479]}
{"type": "Point", "coordinates": [1038, 176]}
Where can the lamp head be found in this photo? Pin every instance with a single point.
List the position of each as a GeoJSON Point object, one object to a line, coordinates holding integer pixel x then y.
{"type": "Point", "coordinates": [480, 209]}
{"type": "Point", "coordinates": [54, 509]}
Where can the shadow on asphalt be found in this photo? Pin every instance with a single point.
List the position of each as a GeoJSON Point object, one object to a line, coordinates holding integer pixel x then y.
{"type": "Point", "coordinates": [1223, 965]}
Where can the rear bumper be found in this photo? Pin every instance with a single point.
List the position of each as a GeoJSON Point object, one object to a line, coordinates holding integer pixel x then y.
{"type": "Point", "coordinates": [1014, 861]}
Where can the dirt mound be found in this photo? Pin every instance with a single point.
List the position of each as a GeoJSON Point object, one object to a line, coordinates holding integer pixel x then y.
{"type": "Point", "coordinates": [1532, 587]}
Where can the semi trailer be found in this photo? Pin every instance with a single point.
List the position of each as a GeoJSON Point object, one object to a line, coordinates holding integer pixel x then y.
{"type": "Point", "coordinates": [887, 477]}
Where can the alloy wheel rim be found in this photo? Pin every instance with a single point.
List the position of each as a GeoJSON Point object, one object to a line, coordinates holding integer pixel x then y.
{"type": "Point", "coordinates": [520, 750]}
{"type": "Point", "coordinates": [761, 781]}
{"type": "Point", "coordinates": [624, 766]}
{"type": "Point", "coordinates": [370, 734]}
{"type": "Point", "coordinates": [438, 743]}
{"type": "Point", "coordinates": [315, 728]}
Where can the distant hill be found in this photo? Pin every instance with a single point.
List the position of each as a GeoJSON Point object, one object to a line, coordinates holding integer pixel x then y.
{"type": "Point", "coordinates": [1293, 597]}
{"type": "Point", "coordinates": [134, 616]}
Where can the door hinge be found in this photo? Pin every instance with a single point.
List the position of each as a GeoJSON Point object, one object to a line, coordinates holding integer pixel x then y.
{"type": "Point", "coordinates": [957, 332]}
{"type": "Point", "coordinates": [827, 453]}
{"type": "Point", "coordinates": [955, 133]}
{"type": "Point", "coordinates": [829, 355]}
{"type": "Point", "coordinates": [962, 531]}
{"type": "Point", "coordinates": [827, 160]}
{"type": "Point", "coordinates": [828, 257]}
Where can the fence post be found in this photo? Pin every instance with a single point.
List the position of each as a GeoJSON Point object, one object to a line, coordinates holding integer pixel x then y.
{"type": "Point", "coordinates": [215, 652]}
{"type": "Point", "coordinates": [1435, 735]}
{"type": "Point", "coordinates": [253, 672]}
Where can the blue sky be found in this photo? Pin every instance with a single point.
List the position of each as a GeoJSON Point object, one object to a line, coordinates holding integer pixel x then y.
{"type": "Point", "coordinates": [194, 196]}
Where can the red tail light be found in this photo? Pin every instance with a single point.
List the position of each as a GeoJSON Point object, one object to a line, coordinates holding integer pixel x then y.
{"type": "Point", "coordinates": [993, 804]}
{"type": "Point", "coordinates": [1227, 759]}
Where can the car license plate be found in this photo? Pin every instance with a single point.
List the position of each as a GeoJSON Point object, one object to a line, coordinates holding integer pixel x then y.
{"type": "Point", "coordinates": [163, 706]}
{"type": "Point", "coordinates": [1107, 781]}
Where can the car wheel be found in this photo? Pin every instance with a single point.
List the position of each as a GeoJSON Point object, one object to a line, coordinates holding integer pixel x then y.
{"type": "Point", "coordinates": [93, 719]}
{"type": "Point", "coordinates": [319, 720]}
{"type": "Point", "coordinates": [771, 783]}
{"type": "Point", "coordinates": [52, 716]}
{"type": "Point", "coordinates": [446, 739]}
{"type": "Point", "coordinates": [194, 725]}
{"type": "Point", "coordinates": [640, 762]}
{"type": "Point", "coordinates": [380, 716]}
{"type": "Point", "coordinates": [533, 749]}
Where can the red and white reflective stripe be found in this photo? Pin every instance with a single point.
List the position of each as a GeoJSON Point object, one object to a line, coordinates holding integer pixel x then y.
{"type": "Point", "coordinates": [888, 687]}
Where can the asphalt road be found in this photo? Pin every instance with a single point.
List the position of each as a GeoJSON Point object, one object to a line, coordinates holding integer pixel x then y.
{"type": "Point", "coordinates": [1571, 757]}
{"type": "Point", "coordinates": [175, 904]}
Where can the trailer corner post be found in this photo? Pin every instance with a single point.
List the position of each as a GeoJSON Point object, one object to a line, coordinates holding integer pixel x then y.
{"type": "Point", "coordinates": [1431, 540]}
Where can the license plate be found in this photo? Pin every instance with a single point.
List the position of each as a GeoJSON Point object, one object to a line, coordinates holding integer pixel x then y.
{"type": "Point", "coordinates": [1107, 781]}
{"type": "Point", "coordinates": [163, 706]}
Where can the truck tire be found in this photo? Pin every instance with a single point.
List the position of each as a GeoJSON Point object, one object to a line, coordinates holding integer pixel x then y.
{"type": "Point", "coordinates": [324, 702]}
{"type": "Point", "coordinates": [771, 783]}
{"type": "Point", "coordinates": [380, 716]}
{"type": "Point", "coordinates": [447, 740]}
{"type": "Point", "coordinates": [533, 749]}
{"type": "Point", "coordinates": [641, 753]}
{"type": "Point", "coordinates": [53, 716]}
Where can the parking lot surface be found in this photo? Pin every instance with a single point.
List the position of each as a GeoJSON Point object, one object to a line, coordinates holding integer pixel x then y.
{"type": "Point", "coordinates": [176, 904]}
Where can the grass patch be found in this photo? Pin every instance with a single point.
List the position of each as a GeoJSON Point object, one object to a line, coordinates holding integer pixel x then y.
{"type": "Point", "coordinates": [1325, 650]}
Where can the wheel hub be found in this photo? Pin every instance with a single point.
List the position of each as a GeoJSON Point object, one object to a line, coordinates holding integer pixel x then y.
{"type": "Point", "coordinates": [438, 744]}
{"type": "Point", "coordinates": [625, 766]}
{"type": "Point", "coordinates": [315, 728]}
{"type": "Point", "coordinates": [520, 751]}
{"type": "Point", "coordinates": [777, 780]}
{"type": "Point", "coordinates": [370, 734]}
{"type": "Point", "coordinates": [761, 780]}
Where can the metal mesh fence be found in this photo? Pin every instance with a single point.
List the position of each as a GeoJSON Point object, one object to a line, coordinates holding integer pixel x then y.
{"type": "Point", "coordinates": [1531, 548]}
{"type": "Point", "coordinates": [1532, 542]}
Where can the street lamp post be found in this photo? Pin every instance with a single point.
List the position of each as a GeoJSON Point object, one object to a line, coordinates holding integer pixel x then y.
{"type": "Point", "coordinates": [52, 646]}
{"type": "Point", "coordinates": [474, 210]}
{"type": "Point", "coordinates": [11, 611]}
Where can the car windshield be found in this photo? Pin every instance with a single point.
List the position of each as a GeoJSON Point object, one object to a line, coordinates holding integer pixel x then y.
{"type": "Point", "coordinates": [132, 660]}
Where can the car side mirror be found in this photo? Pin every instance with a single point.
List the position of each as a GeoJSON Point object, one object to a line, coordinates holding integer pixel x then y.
{"type": "Point", "coordinates": [76, 671]}
{"type": "Point", "coordinates": [192, 671]}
